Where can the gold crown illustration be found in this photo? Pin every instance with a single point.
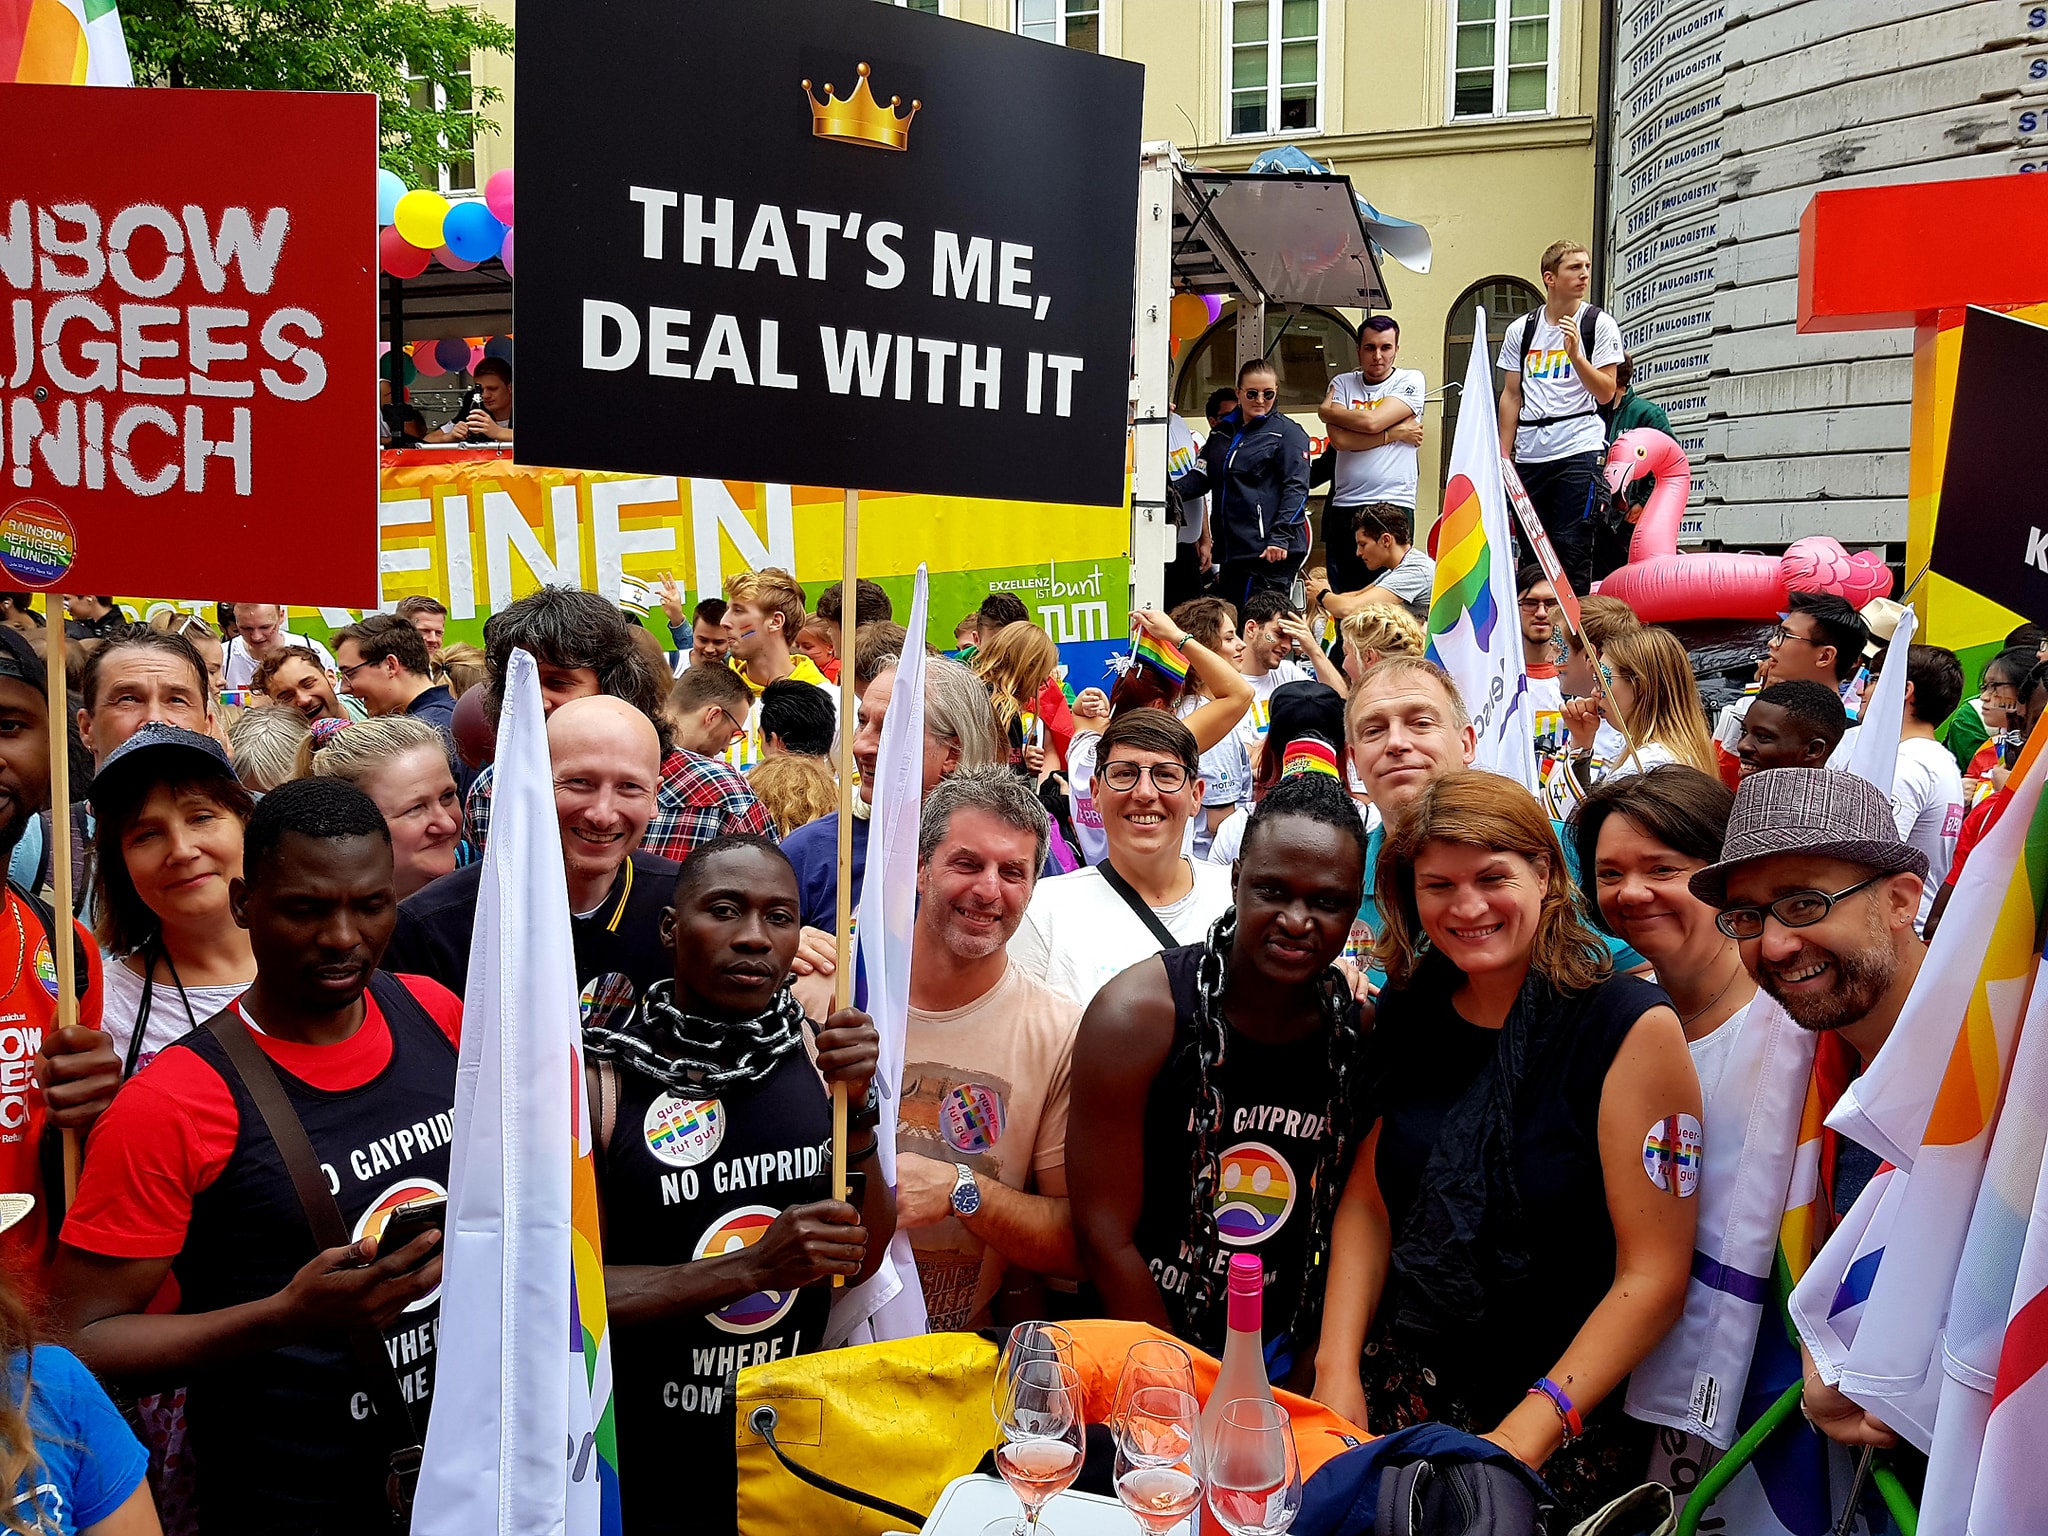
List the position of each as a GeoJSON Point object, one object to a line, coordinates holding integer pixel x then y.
{"type": "Point", "coordinates": [859, 118]}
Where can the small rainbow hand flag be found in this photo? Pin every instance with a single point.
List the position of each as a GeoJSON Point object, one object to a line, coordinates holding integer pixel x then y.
{"type": "Point", "coordinates": [1163, 657]}
{"type": "Point", "coordinates": [1309, 754]}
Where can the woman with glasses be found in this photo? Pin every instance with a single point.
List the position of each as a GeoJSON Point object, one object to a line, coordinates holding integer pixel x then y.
{"type": "Point", "coordinates": [1256, 464]}
{"type": "Point", "coordinates": [1530, 1220]}
{"type": "Point", "coordinates": [1652, 698]}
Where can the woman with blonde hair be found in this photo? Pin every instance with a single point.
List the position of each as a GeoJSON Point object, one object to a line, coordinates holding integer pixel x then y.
{"type": "Point", "coordinates": [1654, 702]}
{"type": "Point", "coordinates": [1377, 631]}
{"type": "Point", "coordinates": [462, 664]}
{"type": "Point", "coordinates": [270, 746]}
{"type": "Point", "coordinates": [402, 763]}
{"type": "Point", "coordinates": [795, 790]}
{"type": "Point", "coordinates": [1525, 1235]}
{"type": "Point", "coordinates": [1015, 666]}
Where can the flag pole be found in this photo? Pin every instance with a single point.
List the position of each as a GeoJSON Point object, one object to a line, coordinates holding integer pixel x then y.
{"type": "Point", "coordinates": [62, 946]}
{"type": "Point", "coordinates": [842, 978]}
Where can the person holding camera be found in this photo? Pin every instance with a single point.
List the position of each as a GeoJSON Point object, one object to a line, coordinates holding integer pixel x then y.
{"type": "Point", "coordinates": [308, 1359]}
{"type": "Point", "coordinates": [486, 414]}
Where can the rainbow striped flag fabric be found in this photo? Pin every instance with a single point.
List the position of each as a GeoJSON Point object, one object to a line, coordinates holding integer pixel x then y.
{"type": "Point", "coordinates": [63, 42]}
{"type": "Point", "coordinates": [524, 1443]}
{"type": "Point", "coordinates": [1473, 631]}
{"type": "Point", "coordinates": [1163, 657]}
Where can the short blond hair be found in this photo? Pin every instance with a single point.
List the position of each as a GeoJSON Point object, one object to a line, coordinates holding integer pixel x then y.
{"type": "Point", "coordinates": [1393, 668]}
{"type": "Point", "coordinates": [368, 745]}
{"type": "Point", "coordinates": [1602, 618]}
{"type": "Point", "coordinates": [772, 590]}
{"type": "Point", "coordinates": [463, 665]}
{"type": "Point", "coordinates": [1388, 628]}
{"type": "Point", "coordinates": [794, 790]}
{"type": "Point", "coordinates": [270, 746]}
{"type": "Point", "coordinates": [1555, 253]}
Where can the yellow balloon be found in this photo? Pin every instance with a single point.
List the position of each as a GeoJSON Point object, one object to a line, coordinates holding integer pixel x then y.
{"type": "Point", "coordinates": [1189, 316]}
{"type": "Point", "coordinates": [418, 217]}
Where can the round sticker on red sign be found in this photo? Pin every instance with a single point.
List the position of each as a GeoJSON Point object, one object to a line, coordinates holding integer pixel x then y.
{"type": "Point", "coordinates": [37, 544]}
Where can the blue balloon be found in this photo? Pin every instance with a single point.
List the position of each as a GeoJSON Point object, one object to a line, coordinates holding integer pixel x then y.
{"type": "Point", "coordinates": [472, 232]}
{"type": "Point", "coordinates": [499, 347]}
{"type": "Point", "coordinates": [389, 190]}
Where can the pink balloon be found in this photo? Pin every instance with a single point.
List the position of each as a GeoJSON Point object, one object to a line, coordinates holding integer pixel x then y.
{"type": "Point", "coordinates": [398, 257]}
{"type": "Point", "coordinates": [505, 253]}
{"type": "Point", "coordinates": [453, 262]}
{"type": "Point", "coordinates": [423, 358]}
{"type": "Point", "coordinates": [476, 355]}
{"type": "Point", "coordinates": [383, 349]}
{"type": "Point", "coordinates": [498, 195]}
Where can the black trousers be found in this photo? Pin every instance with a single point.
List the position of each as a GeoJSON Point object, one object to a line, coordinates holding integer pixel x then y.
{"type": "Point", "coordinates": [1239, 579]}
{"type": "Point", "coordinates": [1340, 551]}
{"type": "Point", "coordinates": [1185, 578]}
{"type": "Point", "coordinates": [1561, 490]}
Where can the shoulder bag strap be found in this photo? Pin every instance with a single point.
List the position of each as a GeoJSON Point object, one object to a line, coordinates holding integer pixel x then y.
{"type": "Point", "coordinates": [1136, 903]}
{"type": "Point", "coordinates": [249, 1062]}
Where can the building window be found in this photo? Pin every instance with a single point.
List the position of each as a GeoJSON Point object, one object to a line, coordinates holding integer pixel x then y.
{"type": "Point", "coordinates": [1501, 57]}
{"type": "Point", "coordinates": [1307, 350]}
{"type": "Point", "coordinates": [458, 172]}
{"type": "Point", "coordinates": [1276, 67]}
{"type": "Point", "coordinates": [1074, 23]}
{"type": "Point", "coordinates": [929, 7]}
{"type": "Point", "coordinates": [1505, 299]}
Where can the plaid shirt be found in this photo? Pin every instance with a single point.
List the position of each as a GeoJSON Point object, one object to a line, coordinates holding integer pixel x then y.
{"type": "Point", "coordinates": [698, 798]}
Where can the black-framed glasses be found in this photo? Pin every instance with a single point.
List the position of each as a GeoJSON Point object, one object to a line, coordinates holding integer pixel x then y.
{"type": "Point", "coordinates": [1781, 633]}
{"type": "Point", "coordinates": [1538, 604]}
{"type": "Point", "coordinates": [1123, 776]}
{"type": "Point", "coordinates": [348, 674]}
{"type": "Point", "coordinates": [1795, 909]}
{"type": "Point", "coordinates": [739, 727]}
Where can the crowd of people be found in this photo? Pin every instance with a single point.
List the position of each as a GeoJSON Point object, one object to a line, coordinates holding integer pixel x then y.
{"type": "Point", "coordinates": [1240, 954]}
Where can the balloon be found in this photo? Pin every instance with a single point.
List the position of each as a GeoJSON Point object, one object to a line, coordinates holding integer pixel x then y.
{"type": "Point", "coordinates": [383, 348]}
{"type": "Point", "coordinates": [453, 262]}
{"type": "Point", "coordinates": [397, 256]}
{"type": "Point", "coordinates": [1189, 315]}
{"type": "Point", "coordinates": [452, 353]}
{"type": "Point", "coordinates": [505, 253]}
{"type": "Point", "coordinates": [423, 358]}
{"type": "Point", "coordinates": [389, 190]}
{"type": "Point", "coordinates": [472, 232]}
{"type": "Point", "coordinates": [498, 195]}
{"type": "Point", "coordinates": [476, 355]}
{"type": "Point", "coordinates": [1213, 302]}
{"type": "Point", "coordinates": [499, 347]}
{"type": "Point", "coordinates": [418, 217]}
{"type": "Point", "coordinates": [1664, 586]}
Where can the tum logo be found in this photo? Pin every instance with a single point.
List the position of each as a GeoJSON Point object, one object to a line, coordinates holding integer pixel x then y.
{"type": "Point", "coordinates": [1075, 621]}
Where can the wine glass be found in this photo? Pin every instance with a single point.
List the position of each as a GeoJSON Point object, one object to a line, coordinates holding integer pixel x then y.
{"type": "Point", "coordinates": [1155, 1426]}
{"type": "Point", "coordinates": [1154, 1365]}
{"type": "Point", "coordinates": [1028, 1342]}
{"type": "Point", "coordinates": [1039, 1410]}
{"type": "Point", "coordinates": [1254, 1476]}
{"type": "Point", "coordinates": [1159, 1495]}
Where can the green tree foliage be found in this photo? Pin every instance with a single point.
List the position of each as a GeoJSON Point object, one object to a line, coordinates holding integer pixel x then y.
{"type": "Point", "coordinates": [333, 45]}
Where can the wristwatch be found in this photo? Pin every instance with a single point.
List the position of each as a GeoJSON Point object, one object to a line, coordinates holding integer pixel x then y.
{"type": "Point", "coordinates": [966, 1193]}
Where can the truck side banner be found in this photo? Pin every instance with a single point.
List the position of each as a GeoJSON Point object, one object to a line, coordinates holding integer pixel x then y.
{"type": "Point", "coordinates": [477, 531]}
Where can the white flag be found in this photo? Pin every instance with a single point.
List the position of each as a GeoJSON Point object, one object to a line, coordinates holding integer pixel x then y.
{"type": "Point", "coordinates": [890, 1303]}
{"type": "Point", "coordinates": [2011, 1493]}
{"type": "Point", "coordinates": [521, 1445]}
{"type": "Point", "coordinates": [1474, 630]}
{"type": "Point", "coordinates": [1875, 756]}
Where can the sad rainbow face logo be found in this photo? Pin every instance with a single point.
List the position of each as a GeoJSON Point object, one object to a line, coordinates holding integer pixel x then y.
{"type": "Point", "coordinates": [1254, 1195]}
{"type": "Point", "coordinates": [371, 1222]}
{"type": "Point", "coordinates": [742, 1229]}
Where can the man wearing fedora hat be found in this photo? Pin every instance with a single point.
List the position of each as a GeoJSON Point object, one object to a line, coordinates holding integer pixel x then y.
{"type": "Point", "coordinates": [1821, 894]}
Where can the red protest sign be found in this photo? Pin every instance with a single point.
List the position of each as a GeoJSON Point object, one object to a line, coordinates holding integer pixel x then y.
{"type": "Point", "coordinates": [187, 319]}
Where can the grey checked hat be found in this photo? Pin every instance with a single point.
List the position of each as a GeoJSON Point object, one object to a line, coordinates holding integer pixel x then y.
{"type": "Point", "coordinates": [1813, 811]}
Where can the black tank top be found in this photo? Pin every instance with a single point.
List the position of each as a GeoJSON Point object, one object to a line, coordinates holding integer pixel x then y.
{"type": "Point", "coordinates": [1274, 1100]}
{"type": "Point", "coordinates": [285, 1440]}
{"type": "Point", "coordinates": [687, 1179]}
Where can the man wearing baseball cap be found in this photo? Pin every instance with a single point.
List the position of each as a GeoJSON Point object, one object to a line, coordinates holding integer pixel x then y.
{"type": "Point", "coordinates": [1821, 894]}
{"type": "Point", "coordinates": [51, 1079]}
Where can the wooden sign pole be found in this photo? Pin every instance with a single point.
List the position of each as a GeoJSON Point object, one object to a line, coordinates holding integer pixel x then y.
{"type": "Point", "coordinates": [62, 943]}
{"type": "Point", "coordinates": [842, 979]}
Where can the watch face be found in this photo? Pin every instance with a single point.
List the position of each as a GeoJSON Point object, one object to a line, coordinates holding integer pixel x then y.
{"type": "Point", "coordinates": [966, 1195]}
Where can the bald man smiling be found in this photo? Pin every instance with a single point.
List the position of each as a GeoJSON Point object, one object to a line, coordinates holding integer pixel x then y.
{"type": "Point", "coordinates": [607, 765]}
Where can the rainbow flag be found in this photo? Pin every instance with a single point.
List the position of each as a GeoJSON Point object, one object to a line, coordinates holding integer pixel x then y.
{"type": "Point", "coordinates": [1163, 657]}
{"type": "Point", "coordinates": [524, 1444]}
{"type": "Point", "coordinates": [63, 42]}
{"type": "Point", "coordinates": [1472, 628]}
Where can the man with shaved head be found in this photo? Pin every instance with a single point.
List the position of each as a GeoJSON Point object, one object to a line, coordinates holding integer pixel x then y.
{"type": "Point", "coordinates": [607, 767]}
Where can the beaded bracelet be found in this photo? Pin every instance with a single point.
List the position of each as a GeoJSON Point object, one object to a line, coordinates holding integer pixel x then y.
{"type": "Point", "coordinates": [1574, 1426]}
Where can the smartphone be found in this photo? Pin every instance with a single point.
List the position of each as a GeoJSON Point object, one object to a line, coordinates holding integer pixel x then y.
{"type": "Point", "coordinates": [856, 1187]}
{"type": "Point", "coordinates": [412, 1219]}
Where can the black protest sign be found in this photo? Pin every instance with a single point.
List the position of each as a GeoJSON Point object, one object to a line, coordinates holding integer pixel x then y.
{"type": "Point", "coordinates": [1991, 534]}
{"type": "Point", "coordinates": [824, 242]}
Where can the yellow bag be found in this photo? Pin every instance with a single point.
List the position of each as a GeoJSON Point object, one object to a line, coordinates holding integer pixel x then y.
{"type": "Point", "coordinates": [896, 1422]}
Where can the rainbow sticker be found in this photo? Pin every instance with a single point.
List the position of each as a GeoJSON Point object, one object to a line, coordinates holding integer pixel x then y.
{"type": "Point", "coordinates": [1672, 1154]}
{"type": "Point", "coordinates": [683, 1132]}
{"type": "Point", "coordinates": [37, 543]}
{"type": "Point", "coordinates": [608, 1001]}
{"type": "Point", "coordinates": [46, 966]}
{"type": "Point", "coordinates": [1254, 1195]}
{"type": "Point", "coordinates": [971, 1117]}
{"type": "Point", "coordinates": [742, 1229]}
{"type": "Point", "coordinates": [371, 1222]}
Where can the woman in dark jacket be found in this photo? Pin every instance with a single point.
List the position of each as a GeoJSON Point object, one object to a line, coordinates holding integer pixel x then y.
{"type": "Point", "coordinates": [1257, 461]}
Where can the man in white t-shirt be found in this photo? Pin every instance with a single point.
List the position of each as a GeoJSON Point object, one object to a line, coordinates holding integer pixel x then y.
{"type": "Point", "coordinates": [982, 1127]}
{"type": "Point", "coordinates": [1271, 657]}
{"type": "Point", "coordinates": [1926, 787]}
{"type": "Point", "coordinates": [261, 632]}
{"type": "Point", "coordinates": [1147, 894]}
{"type": "Point", "coordinates": [1374, 415]}
{"type": "Point", "coordinates": [1537, 607]}
{"type": "Point", "coordinates": [1557, 367]}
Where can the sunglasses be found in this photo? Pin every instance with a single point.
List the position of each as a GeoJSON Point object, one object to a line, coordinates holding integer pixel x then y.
{"type": "Point", "coordinates": [1259, 394]}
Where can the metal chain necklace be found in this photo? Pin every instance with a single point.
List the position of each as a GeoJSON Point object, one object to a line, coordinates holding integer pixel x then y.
{"type": "Point", "coordinates": [695, 1057]}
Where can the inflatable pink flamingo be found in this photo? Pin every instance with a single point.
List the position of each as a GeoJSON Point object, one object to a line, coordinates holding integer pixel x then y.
{"type": "Point", "coordinates": [1663, 585]}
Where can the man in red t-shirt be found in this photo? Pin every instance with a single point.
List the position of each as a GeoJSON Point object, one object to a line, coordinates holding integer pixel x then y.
{"type": "Point", "coordinates": [183, 1181]}
{"type": "Point", "coordinates": [51, 1080]}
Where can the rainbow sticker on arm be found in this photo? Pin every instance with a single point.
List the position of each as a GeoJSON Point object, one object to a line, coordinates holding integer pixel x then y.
{"type": "Point", "coordinates": [1163, 657]}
